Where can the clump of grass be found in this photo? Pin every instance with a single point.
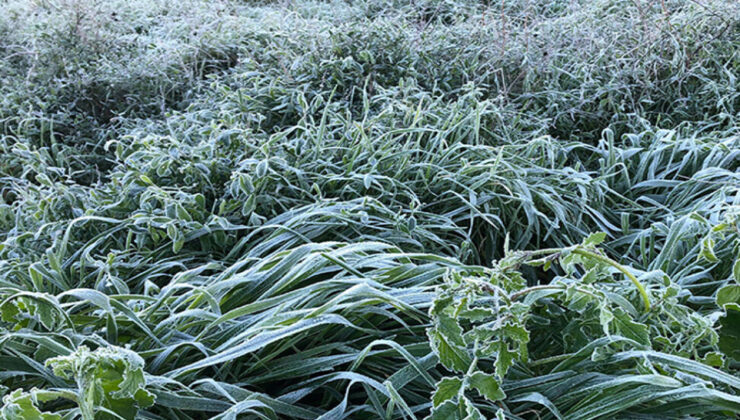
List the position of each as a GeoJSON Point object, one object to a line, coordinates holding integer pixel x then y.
{"type": "Point", "coordinates": [374, 209]}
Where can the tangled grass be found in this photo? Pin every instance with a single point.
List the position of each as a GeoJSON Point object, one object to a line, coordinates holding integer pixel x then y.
{"type": "Point", "coordinates": [369, 209]}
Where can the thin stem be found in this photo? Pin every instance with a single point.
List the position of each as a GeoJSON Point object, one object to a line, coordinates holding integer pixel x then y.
{"type": "Point", "coordinates": [595, 256]}
{"type": "Point", "coordinates": [633, 279]}
{"type": "Point", "coordinates": [521, 293]}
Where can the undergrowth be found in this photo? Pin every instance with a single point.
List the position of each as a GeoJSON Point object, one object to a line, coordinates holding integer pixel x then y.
{"type": "Point", "coordinates": [369, 209]}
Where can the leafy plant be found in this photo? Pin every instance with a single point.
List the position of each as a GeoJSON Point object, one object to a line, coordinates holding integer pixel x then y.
{"type": "Point", "coordinates": [485, 320]}
{"type": "Point", "coordinates": [110, 381]}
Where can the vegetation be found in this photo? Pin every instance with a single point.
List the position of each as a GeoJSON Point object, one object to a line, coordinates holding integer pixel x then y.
{"type": "Point", "coordinates": [368, 209]}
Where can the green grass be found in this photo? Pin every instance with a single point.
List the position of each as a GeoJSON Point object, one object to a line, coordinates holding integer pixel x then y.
{"type": "Point", "coordinates": [369, 209]}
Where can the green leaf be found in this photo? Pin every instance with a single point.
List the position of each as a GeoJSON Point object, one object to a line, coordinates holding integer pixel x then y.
{"type": "Point", "coordinates": [624, 325]}
{"type": "Point", "coordinates": [46, 314]}
{"type": "Point", "coordinates": [262, 169]}
{"type": "Point", "coordinates": [713, 359]}
{"type": "Point", "coordinates": [487, 386]}
{"type": "Point", "coordinates": [172, 231]}
{"type": "Point", "coordinates": [729, 332]}
{"type": "Point", "coordinates": [504, 356]}
{"type": "Point", "coordinates": [451, 355]}
{"type": "Point", "coordinates": [178, 244]}
{"type": "Point", "coordinates": [36, 276]}
{"type": "Point", "coordinates": [707, 250]}
{"type": "Point", "coordinates": [463, 409]}
{"type": "Point", "coordinates": [450, 328]}
{"type": "Point", "coordinates": [110, 377]}
{"type": "Point", "coordinates": [446, 389]}
{"type": "Point", "coordinates": [9, 311]}
{"type": "Point", "coordinates": [449, 410]}
{"type": "Point", "coordinates": [594, 239]}
{"type": "Point", "coordinates": [250, 204]}
{"type": "Point", "coordinates": [245, 184]}
{"type": "Point", "coordinates": [471, 412]}
{"type": "Point", "coordinates": [728, 294]}
{"type": "Point", "coordinates": [20, 405]}
{"type": "Point", "coordinates": [504, 359]}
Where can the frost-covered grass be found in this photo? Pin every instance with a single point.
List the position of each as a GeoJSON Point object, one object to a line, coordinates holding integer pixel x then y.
{"type": "Point", "coordinates": [371, 209]}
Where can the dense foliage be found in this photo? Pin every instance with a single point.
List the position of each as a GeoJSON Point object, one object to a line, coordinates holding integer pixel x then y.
{"type": "Point", "coordinates": [368, 209]}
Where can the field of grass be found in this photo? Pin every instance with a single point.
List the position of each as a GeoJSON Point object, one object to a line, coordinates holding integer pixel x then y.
{"type": "Point", "coordinates": [369, 209]}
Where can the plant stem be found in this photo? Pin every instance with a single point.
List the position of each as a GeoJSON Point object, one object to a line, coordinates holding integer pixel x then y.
{"type": "Point", "coordinates": [633, 279]}
{"type": "Point", "coordinates": [595, 256]}
{"type": "Point", "coordinates": [517, 295]}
